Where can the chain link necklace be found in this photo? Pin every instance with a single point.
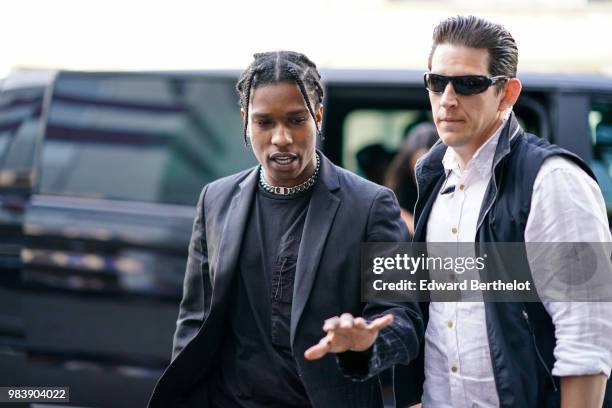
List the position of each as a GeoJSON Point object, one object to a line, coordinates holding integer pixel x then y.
{"type": "Point", "coordinates": [286, 191]}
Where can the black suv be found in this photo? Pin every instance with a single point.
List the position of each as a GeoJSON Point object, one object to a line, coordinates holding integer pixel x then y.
{"type": "Point", "coordinates": [99, 176]}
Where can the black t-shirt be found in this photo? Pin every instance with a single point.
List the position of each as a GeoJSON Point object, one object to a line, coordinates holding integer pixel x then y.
{"type": "Point", "coordinates": [257, 368]}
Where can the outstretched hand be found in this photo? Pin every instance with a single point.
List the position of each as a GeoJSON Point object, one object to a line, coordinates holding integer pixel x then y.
{"type": "Point", "coordinates": [347, 333]}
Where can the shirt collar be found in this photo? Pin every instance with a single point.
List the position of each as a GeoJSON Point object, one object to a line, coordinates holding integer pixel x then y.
{"type": "Point", "coordinates": [482, 160]}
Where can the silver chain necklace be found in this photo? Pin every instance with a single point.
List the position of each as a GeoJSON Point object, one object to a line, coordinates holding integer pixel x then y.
{"type": "Point", "coordinates": [286, 191]}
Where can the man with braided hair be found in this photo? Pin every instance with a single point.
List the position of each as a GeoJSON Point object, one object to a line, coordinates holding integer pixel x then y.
{"type": "Point", "coordinates": [275, 255]}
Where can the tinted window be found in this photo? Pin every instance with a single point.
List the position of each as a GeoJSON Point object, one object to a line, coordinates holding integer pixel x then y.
{"type": "Point", "coordinates": [364, 129]}
{"type": "Point", "coordinates": [600, 122]}
{"type": "Point", "coordinates": [371, 127]}
{"type": "Point", "coordinates": [156, 139]}
{"type": "Point", "coordinates": [19, 124]}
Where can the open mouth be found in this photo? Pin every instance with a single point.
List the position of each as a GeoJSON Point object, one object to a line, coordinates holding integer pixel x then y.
{"type": "Point", "coordinates": [283, 159]}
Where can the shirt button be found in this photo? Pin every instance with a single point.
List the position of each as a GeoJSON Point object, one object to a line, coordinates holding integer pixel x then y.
{"type": "Point", "coordinates": [454, 369]}
{"type": "Point", "coordinates": [454, 230]}
{"type": "Point", "coordinates": [449, 324]}
{"type": "Point", "coordinates": [461, 187]}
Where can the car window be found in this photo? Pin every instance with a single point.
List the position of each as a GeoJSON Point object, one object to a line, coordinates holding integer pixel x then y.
{"type": "Point", "coordinates": [368, 128]}
{"type": "Point", "coordinates": [378, 119]}
{"type": "Point", "coordinates": [4, 140]}
{"type": "Point", "coordinates": [142, 138]}
{"type": "Point", "coordinates": [600, 123]}
{"type": "Point", "coordinates": [381, 132]}
{"type": "Point", "coordinates": [19, 122]}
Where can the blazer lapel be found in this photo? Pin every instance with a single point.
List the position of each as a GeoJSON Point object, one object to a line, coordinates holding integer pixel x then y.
{"type": "Point", "coordinates": [321, 212]}
{"type": "Point", "coordinates": [233, 231]}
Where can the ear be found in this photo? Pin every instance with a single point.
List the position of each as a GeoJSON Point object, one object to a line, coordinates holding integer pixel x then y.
{"type": "Point", "coordinates": [510, 94]}
{"type": "Point", "coordinates": [243, 115]}
{"type": "Point", "coordinates": [319, 116]}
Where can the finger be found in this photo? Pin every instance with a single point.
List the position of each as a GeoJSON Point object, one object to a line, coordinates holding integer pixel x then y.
{"type": "Point", "coordinates": [360, 323]}
{"type": "Point", "coordinates": [346, 321]}
{"type": "Point", "coordinates": [331, 324]}
{"type": "Point", "coordinates": [319, 350]}
{"type": "Point", "coordinates": [381, 322]}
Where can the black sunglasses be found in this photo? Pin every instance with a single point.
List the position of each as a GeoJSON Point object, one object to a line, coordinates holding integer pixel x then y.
{"type": "Point", "coordinates": [462, 84]}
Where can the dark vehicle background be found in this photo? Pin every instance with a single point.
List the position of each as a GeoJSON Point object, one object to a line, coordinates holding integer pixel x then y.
{"type": "Point", "coordinates": [99, 176]}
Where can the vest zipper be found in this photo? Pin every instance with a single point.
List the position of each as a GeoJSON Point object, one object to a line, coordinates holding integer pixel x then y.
{"type": "Point", "coordinates": [494, 167]}
{"type": "Point", "coordinates": [481, 220]}
{"type": "Point", "coordinates": [526, 316]}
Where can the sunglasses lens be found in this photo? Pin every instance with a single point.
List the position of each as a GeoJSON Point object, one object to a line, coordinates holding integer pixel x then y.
{"type": "Point", "coordinates": [463, 85]}
{"type": "Point", "coordinates": [436, 83]}
{"type": "Point", "coordinates": [471, 84]}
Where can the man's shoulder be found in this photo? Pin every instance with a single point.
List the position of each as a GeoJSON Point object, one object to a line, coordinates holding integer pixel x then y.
{"type": "Point", "coordinates": [352, 183]}
{"type": "Point", "coordinates": [231, 181]}
{"type": "Point", "coordinates": [534, 145]}
{"type": "Point", "coordinates": [224, 188]}
{"type": "Point", "coordinates": [549, 156]}
{"type": "Point", "coordinates": [562, 168]}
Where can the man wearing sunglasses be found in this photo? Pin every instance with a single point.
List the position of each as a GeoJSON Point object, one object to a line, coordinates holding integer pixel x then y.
{"type": "Point", "coordinates": [489, 181]}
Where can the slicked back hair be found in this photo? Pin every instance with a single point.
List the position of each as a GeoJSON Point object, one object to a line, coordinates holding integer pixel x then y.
{"type": "Point", "coordinates": [281, 66]}
{"type": "Point", "coordinates": [476, 32]}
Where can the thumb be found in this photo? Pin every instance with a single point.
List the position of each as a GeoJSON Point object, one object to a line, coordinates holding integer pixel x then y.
{"type": "Point", "coordinates": [319, 350]}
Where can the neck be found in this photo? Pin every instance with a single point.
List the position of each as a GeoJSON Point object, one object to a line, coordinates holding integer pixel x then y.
{"type": "Point", "coordinates": [466, 153]}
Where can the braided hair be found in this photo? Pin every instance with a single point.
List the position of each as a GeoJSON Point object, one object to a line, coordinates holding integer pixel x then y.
{"type": "Point", "coordinates": [280, 66]}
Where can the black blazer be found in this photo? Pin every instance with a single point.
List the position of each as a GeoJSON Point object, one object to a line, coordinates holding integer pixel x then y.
{"type": "Point", "coordinates": [344, 211]}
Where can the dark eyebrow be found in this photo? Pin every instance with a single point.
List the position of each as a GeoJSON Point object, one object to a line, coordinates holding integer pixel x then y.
{"type": "Point", "coordinates": [292, 113]}
{"type": "Point", "coordinates": [261, 115]}
{"type": "Point", "coordinates": [298, 112]}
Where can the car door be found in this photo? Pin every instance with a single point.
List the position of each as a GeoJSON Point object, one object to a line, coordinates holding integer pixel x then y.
{"type": "Point", "coordinates": [118, 174]}
{"type": "Point", "coordinates": [23, 99]}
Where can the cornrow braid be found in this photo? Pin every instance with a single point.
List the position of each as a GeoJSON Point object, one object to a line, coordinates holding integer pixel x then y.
{"type": "Point", "coordinates": [274, 67]}
{"type": "Point", "coordinates": [318, 89]}
{"type": "Point", "coordinates": [245, 104]}
{"type": "Point", "coordinates": [302, 87]}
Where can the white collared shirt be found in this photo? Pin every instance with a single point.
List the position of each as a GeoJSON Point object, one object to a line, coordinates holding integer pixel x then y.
{"type": "Point", "coordinates": [566, 206]}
